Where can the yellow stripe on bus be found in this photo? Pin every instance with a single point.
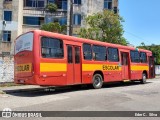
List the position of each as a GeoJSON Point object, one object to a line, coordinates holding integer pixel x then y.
{"type": "Point", "coordinates": [137, 67]}
{"type": "Point", "coordinates": [53, 67]}
{"type": "Point", "coordinates": [102, 67]}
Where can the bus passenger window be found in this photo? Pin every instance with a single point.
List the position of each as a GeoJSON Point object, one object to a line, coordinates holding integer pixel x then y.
{"type": "Point", "coordinates": [135, 56]}
{"type": "Point", "coordinates": [45, 52]}
{"type": "Point", "coordinates": [143, 57]}
{"type": "Point", "coordinates": [99, 53]}
{"type": "Point", "coordinates": [87, 51]}
{"type": "Point", "coordinates": [51, 48]}
{"type": "Point", "coordinates": [113, 54]}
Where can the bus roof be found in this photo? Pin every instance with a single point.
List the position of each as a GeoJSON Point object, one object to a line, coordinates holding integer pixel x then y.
{"type": "Point", "coordinates": [84, 40]}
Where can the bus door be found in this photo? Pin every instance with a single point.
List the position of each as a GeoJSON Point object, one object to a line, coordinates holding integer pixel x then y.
{"type": "Point", "coordinates": [73, 64]}
{"type": "Point", "coordinates": [125, 65]}
{"type": "Point", "coordinates": [151, 67]}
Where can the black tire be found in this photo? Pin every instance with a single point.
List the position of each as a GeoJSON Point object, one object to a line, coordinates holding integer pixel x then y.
{"type": "Point", "coordinates": [97, 81]}
{"type": "Point", "coordinates": [144, 78]}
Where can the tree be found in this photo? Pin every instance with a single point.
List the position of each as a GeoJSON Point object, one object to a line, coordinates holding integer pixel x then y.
{"type": "Point", "coordinates": [51, 7]}
{"type": "Point", "coordinates": [155, 50]}
{"type": "Point", "coordinates": [104, 26]}
{"type": "Point", "coordinates": [54, 27]}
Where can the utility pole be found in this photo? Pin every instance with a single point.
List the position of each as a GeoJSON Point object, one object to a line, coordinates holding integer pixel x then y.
{"type": "Point", "coordinates": [71, 18]}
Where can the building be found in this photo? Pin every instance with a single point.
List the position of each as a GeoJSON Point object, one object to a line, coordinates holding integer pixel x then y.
{"type": "Point", "coordinates": [83, 8]}
{"type": "Point", "coordinates": [10, 24]}
{"type": "Point", "coordinates": [19, 16]}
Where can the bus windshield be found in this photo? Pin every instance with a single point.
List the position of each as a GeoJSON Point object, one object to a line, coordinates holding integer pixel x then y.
{"type": "Point", "coordinates": [24, 42]}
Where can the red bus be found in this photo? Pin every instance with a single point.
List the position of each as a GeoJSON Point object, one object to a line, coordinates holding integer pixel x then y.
{"type": "Point", "coordinates": [52, 59]}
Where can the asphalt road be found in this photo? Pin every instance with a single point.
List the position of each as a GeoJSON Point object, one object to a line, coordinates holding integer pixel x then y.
{"type": "Point", "coordinates": [112, 97]}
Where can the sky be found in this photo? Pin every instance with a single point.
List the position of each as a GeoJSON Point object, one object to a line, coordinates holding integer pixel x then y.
{"type": "Point", "coordinates": [142, 21]}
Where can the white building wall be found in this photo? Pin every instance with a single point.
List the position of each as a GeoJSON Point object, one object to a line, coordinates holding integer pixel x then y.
{"type": "Point", "coordinates": [157, 69]}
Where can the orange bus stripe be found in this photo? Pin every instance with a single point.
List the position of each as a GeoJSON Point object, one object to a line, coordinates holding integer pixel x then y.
{"type": "Point", "coordinates": [53, 67]}
{"type": "Point", "coordinates": [102, 67]}
{"type": "Point", "coordinates": [138, 67]}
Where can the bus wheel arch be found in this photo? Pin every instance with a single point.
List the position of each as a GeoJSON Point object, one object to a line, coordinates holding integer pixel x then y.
{"type": "Point", "coordinates": [144, 77]}
{"type": "Point", "coordinates": [98, 79]}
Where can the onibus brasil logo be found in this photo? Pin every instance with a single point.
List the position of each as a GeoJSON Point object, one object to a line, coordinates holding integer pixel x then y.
{"type": "Point", "coordinates": [7, 113]}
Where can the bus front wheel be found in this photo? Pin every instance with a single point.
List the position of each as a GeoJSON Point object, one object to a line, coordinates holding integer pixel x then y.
{"type": "Point", "coordinates": [144, 78]}
{"type": "Point", "coordinates": [97, 81]}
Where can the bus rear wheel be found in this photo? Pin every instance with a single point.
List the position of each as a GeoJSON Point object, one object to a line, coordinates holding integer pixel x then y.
{"type": "Point", "coordinates": [97, 81]}
{"type": "Point", "coordinates": [144, 78]}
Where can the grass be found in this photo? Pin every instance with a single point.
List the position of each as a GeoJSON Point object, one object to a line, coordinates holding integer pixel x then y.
{"type": "Point", "coordinates": [1, 92]}
{"type": "Point", "coordinates": [8, 84]}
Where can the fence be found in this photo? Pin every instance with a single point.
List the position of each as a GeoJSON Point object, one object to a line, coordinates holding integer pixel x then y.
{"type": "Point", "coordinates": [6, 69]}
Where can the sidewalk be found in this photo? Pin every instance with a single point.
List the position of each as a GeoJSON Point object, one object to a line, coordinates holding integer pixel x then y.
{"type": "Point", "coordinates": [157, 77]}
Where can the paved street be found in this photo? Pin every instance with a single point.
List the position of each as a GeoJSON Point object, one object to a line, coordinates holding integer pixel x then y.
{"type": "Point", "coordinates": [112, 97]}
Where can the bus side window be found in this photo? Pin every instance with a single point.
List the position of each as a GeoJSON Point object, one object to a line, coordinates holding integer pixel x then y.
{"type": "Point", "coordinates": [135, 57]}
{"type": "Point", "coordinates": [51, 47]}
{"type": "Point", "coordinates": [99, 53]}
{"type": "Point", "coordinates": [143, 57]}
{"type": "Point", "coordinates": [113, 54]}
{"type": "Point", "coordinates": [87, 51]}
{"type": "Point", "coordinates": [45, 52]}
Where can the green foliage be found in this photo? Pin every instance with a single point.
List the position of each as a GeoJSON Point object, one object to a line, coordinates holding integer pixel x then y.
{"type": "Point", "coordinates": [104, 26]}
{"type": "Point", "coordinates": [51, 7]}
{"type": "Point", "coordinates": [155, 50]}
{"type": "Point", "coordinates": [54, 27]}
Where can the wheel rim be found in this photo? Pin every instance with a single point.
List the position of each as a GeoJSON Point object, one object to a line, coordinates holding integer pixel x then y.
{"type": "Point", "coordinates": [97, 81]}
{"type": "Point", "coordinates": [144, 78]}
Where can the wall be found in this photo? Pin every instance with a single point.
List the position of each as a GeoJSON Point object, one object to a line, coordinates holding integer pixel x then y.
{"type": "Point", "coordinates": [157, 69]}
{"type": "Point", "coordinates": [15, 26]}
{"type": "Point", "coordinates": [6, 69]}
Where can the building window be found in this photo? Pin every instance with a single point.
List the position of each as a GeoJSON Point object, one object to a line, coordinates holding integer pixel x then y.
{"type": "Point", "coordinates": [34, 3]}
{"type": "Point", "coordinates": [113, 54]}
{"type": "Point", "coordinates": [77, 19]}
{"type": "Point", "coordinates": [87, 51]}
{"type": "Point", "coordinates": [52, 47]}
{"type": "Point", "coordinates": [6, 36]}
{"type": "Point", "coordinates": [62, 4]}
{"type": "Point", "coordinates": [63, 21]}
{"type": "Point", "coordinates": [143, 57]}
{"type": "Point", "coordinates": [28, 20]}
{"type": "Point", "coordinates": [99, 53]}
{"type": "Point", "coordinates": [107, 4]}
{"type": "Point", "coordinates": [8, 15]}
{"type": "Point", "coordinates": [51, 1]}
{"type": "Point", "coordinates": [78, 2]}
{"type": "Point", "coordinates": [135, 57]}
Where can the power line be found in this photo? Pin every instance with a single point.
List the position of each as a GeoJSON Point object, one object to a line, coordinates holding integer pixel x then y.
{"type": "Point", "coordinates": [135, 35]}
